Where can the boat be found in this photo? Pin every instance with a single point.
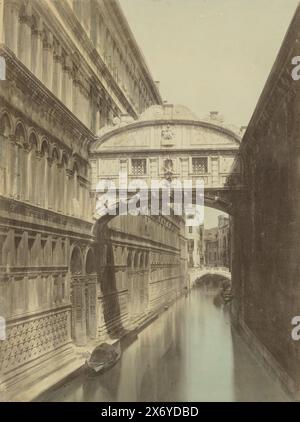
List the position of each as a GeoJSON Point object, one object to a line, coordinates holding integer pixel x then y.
{"type": "Point", "coordinates": [104, 357]}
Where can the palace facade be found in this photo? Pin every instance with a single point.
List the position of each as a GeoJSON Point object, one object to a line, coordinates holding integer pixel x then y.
{"type": "Point", "coordinates": [72, 68]}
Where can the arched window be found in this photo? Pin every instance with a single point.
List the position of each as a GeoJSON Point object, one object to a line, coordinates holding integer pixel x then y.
{"type": "Point", "coordinates": [136, 260]}
{"type": "Point", "coordinates": [5, 126]}
{"type": "Point", "coordinates": [76, 261]}
{"type": "Point", "coordinates": [90, 266]}
{"type": "Point", "coordinates": [129, 259]}
{"type": "Point", "coordinates": [54, 180]}
{"type": "Point", "coordinates": [63, 183]}
{"type": "Point", "coordinates": [75, 196]}
{"type": "Point", "coordinates": [142, 260]}
{"type": "Point", "coordinates": [19, 163]}
{"type": "Point", "coordinates": [31, 180]}
{"type": "Point", "coordinates": [43, 190]}
{"type": "Point", "coordinates": [5, 131]}
{"type": "Point", "coordinates": [146, 259]}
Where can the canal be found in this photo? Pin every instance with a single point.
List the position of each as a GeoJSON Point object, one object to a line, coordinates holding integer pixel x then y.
{"type": "Point", "coordinates": [190, 353]}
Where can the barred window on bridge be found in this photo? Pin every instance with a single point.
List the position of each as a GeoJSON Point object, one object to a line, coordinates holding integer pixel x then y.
{"type": "Point", "coordinates": [200, 165]}
{"type": "Point", "coordinates": [138, 166]}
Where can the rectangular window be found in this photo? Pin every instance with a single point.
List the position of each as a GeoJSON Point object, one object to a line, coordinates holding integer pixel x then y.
{"type": "Point", "coordinates": [200, 165]}
{"type": "Point", "coordinates": [191, 229]}
{"type": "Point", "coordinates": [191, 245]}
{"type": "Point", "coordinates": [138, 166]}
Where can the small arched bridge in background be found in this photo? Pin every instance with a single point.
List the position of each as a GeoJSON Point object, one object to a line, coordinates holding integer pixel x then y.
{"type": "Point", "coordinates": [198, 273]}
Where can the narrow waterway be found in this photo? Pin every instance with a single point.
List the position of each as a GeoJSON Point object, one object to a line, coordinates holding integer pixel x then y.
{"type": "Point", "coordinates": [190, 353]}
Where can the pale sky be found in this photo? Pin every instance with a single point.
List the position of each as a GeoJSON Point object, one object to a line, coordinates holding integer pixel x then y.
{"type": "Point", "coordinates": [211, 54]}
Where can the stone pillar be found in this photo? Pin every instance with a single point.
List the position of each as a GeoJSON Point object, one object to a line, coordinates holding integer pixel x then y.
{"type": "Point", "coordinates": [57, 72]}
{"type": "Point", "coordinates": [37, 51]}
{"type": "Point", "coordinates": [64, 83]}
{"type": "Point", "coordinates": [11, 24]}
{"type": "Point", "coordinates": [48, 61]}
{"type": "Point", "coordinates": [92, 306]}
{"type": "Point", "coordinates": [63, 189]}
{"type": "Point", "coordinates": [67, 89]}
{"type": "Point", "coordinates": [78, 311]}
{"type": "Point", "coordinates": [59, 194]}
{"type": "Point", "coordinates": [50, 183]}
{"type": "Point", "coordinates": [68, 191]}
{"type": "Point", "coordinates": [24, 47]}
{"type": "Point", "coordinates": [45, 191]}
{"type": "Point", "coordinates": [214, 163]}
{"type": "Point", "coordinates": [76, 96]}
{"type": "Point", "coordinates": [39, 178]}
{"type": "Point", "coordinates": [98, 119]}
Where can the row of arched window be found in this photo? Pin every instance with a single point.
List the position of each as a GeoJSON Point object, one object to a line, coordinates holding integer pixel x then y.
{"type": "Point", "coordinates": [119, 62]}
{"type": "Point", "coordinates": [38, 172]}
{"type": "Point", "coordinates": [137, 259]}
{"type": "Point", "coordinates": [28, 35]}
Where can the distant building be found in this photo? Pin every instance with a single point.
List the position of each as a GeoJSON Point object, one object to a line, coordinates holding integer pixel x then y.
{"type": "Point", "coordinates": [217, 244]}
{"type": "Point", "coordinates": [195, 242]}
{"type": "Point", "coordinates": [211, 243]}
{"type": "Point", "coordinates": [224, 241]}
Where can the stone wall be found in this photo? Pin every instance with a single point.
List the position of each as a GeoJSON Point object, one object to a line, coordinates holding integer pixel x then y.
{"type": "Point", "coordinates": [266, 223]}
{"type": "Point", "coordinates": [142, 267]}
{"type": "Point", "coordinates": [64, 82]}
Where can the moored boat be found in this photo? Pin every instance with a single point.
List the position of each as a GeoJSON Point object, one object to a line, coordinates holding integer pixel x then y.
{"type": "Point", "coordinates": [104, 357]}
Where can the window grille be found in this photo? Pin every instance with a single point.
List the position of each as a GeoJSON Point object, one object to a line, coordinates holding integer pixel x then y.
{"type": "Point", "coordinates": [200, 165]}
{"type": "Point", "coordinates": [138, 166]}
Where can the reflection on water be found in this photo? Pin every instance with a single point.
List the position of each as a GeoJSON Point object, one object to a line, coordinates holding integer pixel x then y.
{"type": "Point", "coordinates": [189, 353]}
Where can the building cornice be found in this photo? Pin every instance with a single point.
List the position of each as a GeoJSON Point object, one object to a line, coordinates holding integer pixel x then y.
{"type": "Point", "coordinates": [161, 122]}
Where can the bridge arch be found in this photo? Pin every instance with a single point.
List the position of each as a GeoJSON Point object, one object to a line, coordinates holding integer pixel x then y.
{"type": "Point", "coordinates": [167, 143]}
{"type": "Point", "coordinates": [197, 274]}
{"type": "Point", "coordinates": [170, 143]}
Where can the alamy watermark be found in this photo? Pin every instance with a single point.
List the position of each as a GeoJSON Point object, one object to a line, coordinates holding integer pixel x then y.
{"type": "Point", "coordinates": [2, 69]}
{"type": "Point", "coordinates": [2, 328]}
{"type": "Point", "coordinates": [296, 329]}
{"type": "Point", "coordinates": [162, 197]}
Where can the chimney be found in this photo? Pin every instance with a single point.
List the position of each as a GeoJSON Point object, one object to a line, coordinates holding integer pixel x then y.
{"type": "Point", "coordinates": [157, 83]}
{"type": "Point", "coordinates": [214, 115]}
{"type": "Point", "coordinates": [243, 129]}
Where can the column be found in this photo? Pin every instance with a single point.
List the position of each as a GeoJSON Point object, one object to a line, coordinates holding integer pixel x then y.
{"type": "Point", "coordinates": [65, 190]}
{"type": "Point", "coordinates": [76, 96]}
{"type": "Point", "coordinates": [45, 192]}
{"type": "Point", "coordinates": [39, 178]}
{"type": "Point", "coordinates": [60, 190]}
{"type": "Point", "coordinates": [48, 60]}
{"type": "Point", "coordinates": [64, 82]}
{"type": "Point", "coordinates": [37, 51]}
{"type": "Point", "coordinates": [11, 24]}
{"type": "Point", "coordinates": [24, 43]}
{"type": "Point", "coordinates": [67, 83]}
{"type": "Point", "coordinates": [97, 118]}
{"type": "Point", "coordinates": [49, 183]}
{"type": "Point", "coordinates": [57, 72]}
{"type": "Point", "coordinates": [70, 193]}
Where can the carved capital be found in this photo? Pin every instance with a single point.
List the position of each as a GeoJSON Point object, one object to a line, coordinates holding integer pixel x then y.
{"type": "Point", "coordinates": [48, 41]}
{"type": "Point", "coordinates": [58, 53]}
{"type": "Point", "coordinates": [38, 155]}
